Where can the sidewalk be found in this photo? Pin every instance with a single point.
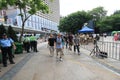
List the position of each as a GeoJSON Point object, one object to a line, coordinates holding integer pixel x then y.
{"type": "Point", "coordinates": [18, 58]}
{"type": "Point", "coordinates": [41, 65]}
{"type": "Point", "coordinates": [107, 62]}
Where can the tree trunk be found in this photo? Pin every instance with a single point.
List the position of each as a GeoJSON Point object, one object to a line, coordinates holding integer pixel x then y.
{"type": "Point", "coordinates": [21, 34]}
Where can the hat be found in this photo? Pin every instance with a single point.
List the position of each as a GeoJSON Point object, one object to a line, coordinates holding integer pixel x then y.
{"type": "Point", "coordinates": [4, 34]}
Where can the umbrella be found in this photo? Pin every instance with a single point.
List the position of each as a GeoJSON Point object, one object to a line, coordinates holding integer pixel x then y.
{"type": "Point", "coordinates": [113, 32]}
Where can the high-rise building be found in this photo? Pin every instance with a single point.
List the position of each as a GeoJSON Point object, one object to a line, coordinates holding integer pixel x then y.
{"type": "Point", "coordinates": [36, 23]}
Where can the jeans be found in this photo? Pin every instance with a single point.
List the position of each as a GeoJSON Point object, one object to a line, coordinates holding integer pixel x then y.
{"type": "Point", "coordinates": [76, 47]}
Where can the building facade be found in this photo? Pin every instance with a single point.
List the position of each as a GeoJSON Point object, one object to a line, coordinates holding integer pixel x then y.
{"type": "Point", "coordinates": [36, 23]}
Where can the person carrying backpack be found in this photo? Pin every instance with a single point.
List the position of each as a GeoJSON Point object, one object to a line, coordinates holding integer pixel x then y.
{"type": "Point", "coordinates": [59, 47]}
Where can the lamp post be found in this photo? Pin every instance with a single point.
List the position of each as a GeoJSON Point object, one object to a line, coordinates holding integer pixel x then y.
{"type": "Point", "coordinates": [94, 23]}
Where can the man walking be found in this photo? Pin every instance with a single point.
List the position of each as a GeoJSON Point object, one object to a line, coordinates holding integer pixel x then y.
{"type": "Point", "coordinates": [51, 42]}
{"type": "Point", "coordinates": [66, 40]}
{"type": "Point", "coordinates": [76, 42]}
{"type": "Point", "coordinates": [59, 47]}
{"type": "Point", "coordinates": [70, 41]}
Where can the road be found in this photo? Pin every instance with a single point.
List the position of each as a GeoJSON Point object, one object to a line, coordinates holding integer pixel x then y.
{"type": "Point", "coordinates": [73, 67]}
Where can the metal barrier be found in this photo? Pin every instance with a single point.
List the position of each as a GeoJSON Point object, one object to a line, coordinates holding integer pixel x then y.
{"type": "Point", "coordinates": [112, 48]}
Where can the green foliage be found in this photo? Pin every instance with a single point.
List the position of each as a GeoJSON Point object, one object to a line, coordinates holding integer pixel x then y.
{"type": "Point", "coordinates": [116, 12]}
{"type": "Point", "coordinates": [34, 7]}
{"type": "Point", "coordinates": [2, 30]}
{"type": "Point", "coordinates": [110, 23]}
{"type": "Point", "coordinates": [98, 13]}
{"type": "Point", "coordinates": [12, 34]}
{"type": "Point", "coordinates": [103, 23]}
{"type": "Point", "coordinates": [73, 22]}
{"type": "Point", "coordinates": [3, 4]}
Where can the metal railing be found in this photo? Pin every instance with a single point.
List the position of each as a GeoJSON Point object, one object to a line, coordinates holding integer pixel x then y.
{"type": "Point", "coordinates": [112, 48]}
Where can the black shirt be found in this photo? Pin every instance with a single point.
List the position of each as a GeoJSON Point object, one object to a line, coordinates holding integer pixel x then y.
{"type": "Point", "coordinates": [70, 38]}
{"type": "Point", "coordinates": [51, 41]}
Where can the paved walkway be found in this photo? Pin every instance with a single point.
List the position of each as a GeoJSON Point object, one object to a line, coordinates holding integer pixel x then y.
{"type": "Point", "coordinates": [40, 66]}
{"type": "Point", "coordinates": [112, 64]}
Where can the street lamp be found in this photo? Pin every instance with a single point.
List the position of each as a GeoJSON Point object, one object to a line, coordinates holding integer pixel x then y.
{"type": "Point", "coordinates": [85, 24]}
{"type": "Point", "coordinates": [94, 23]}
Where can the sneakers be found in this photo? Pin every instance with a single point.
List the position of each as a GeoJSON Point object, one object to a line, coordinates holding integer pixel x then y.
{"type": "Point", "coordinates": [36, 51]}
{"type": "Point", "coordinates": [51, 55]}
{"type": "Point", "coordinates": [5, 65]}
{"type": "Point", "coordinates": [61, 59]}
{"type": "Point", "coordinates": [12, 62]}
{"type": "Point", "coordinates": [78, 53]}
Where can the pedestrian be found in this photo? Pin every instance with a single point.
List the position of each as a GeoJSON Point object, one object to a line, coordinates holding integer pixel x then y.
{"type": "Point", "coordinates": [76, 42]}
{"type": "Point", "coordinates": [59, 47]}
{"type": "Point", "coordinates": [116, 36]}
{"type": "Point", "coordinates": [66, 40]}
{"type": "Point", "coordinates": [70, 41]}
{"type": "Point", "coordinates": [63, 41]}
{"type": "Point", "coordinates": [27, 43]}
{"type": "Point", "coordinates": [51, 42]}
{"type": "Point", "coordinates": [6, 49]}
{"type": "Point", "coordinates": [33, 43]}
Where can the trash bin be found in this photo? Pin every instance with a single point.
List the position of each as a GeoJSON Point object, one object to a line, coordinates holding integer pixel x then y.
{"type": "Point", "coordinates": [19, 48]}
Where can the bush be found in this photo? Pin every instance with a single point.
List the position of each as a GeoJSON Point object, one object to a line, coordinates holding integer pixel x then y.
{"type": "Point", "coordinates": [2, 30]}
{"type": "Point", "coordinates": [12, 34]}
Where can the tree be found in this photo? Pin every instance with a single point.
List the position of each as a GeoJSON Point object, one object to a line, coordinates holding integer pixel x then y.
{"type": "Point", "coordinates": [115, 21]}
{"type": "Point", "coordinates": [97, 14]}
{"type": "Point", "coordinates": [2, 30]}
{"type": "Point", "coordinates": [110, 23]}
{"type": "Point", "coordinates": [103, 25]}
{"type": "Point", "coordinates": [12, 34]}
{"type": "Point", "coordinates": [34, 7]}
{"type": "Point", "coordinates": [116, 12]}
{"type": "Point", "coordinates": [73, 22]}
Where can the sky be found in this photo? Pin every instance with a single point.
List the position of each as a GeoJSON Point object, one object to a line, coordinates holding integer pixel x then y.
{"type": "Point", "coordinates": [70, 6]}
